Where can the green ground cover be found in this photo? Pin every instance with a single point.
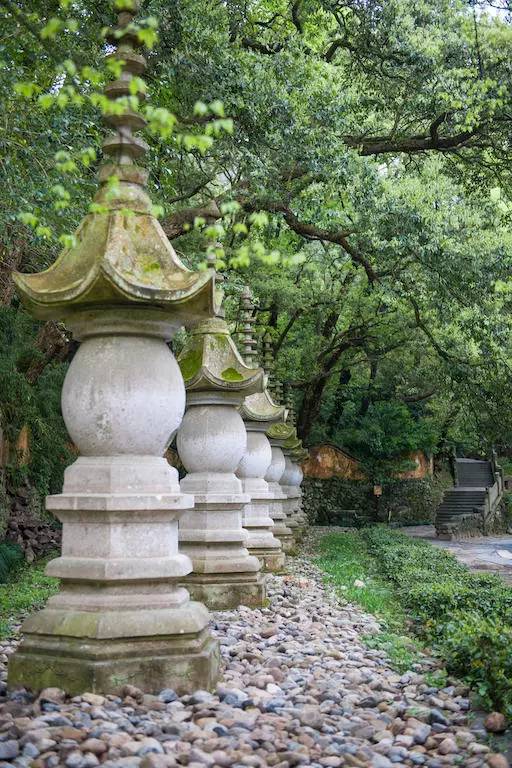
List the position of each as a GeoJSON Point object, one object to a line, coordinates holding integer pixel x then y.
{"type": "Point", "coordinates": [419, 591]}
{"type": "Point", "coordinates": [26, 589]}
{"type": "Point", "coordinates": [11, 556]}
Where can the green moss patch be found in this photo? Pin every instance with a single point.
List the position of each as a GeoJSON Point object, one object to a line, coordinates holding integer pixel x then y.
{"type": "Point", "coordinates": [231, 374]}
{"type": "Point", "coordinates": [190, 363]}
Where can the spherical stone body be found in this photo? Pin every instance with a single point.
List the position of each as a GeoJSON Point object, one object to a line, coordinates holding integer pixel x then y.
{"type": "Point", "coordinates": [276, 468]}
{"type": "Point", "coordinates": [287, 476]}
{"type": "Point", "coordinates": [123, 394]}
{"type": "Point", "coordinates": [296, 474]}
{"type": "Point", "coordinates": [212, 438]}
{"type": "Point", "coordinates": [257, 457]}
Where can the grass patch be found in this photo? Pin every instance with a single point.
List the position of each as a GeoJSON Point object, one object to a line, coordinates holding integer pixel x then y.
{"type": "Point", "coordinates": [26, 590]}
{"type": "Point", "coordinates": [466, 618]}
{"type": "Point", "coordinates": [402, 651]}
{"type": "Point", "coordinates": [346, 561]}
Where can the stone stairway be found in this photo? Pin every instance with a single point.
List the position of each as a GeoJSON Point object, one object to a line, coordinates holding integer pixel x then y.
{"type": "Point", "coordinates": [474, 474]}
{"type": "Point", "coordinates": [467, 508]}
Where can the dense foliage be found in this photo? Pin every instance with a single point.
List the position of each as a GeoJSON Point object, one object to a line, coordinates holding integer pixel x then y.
{"type": "Point", "coordinates": [363, 194]}
{"type": "Point", "coordinates": [10, 557]}
{"type": "Point", "coordinates": [337, 501]}
{"type": "Point", "coordinates": [31, 402]}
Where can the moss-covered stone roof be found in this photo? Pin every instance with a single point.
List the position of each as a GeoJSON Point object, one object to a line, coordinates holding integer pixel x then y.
{"type": "Point", "coordinates": [261, 407]}
{"type": "Point", "coordinates": [210, 361]}
{"type": "Point", "coordinates": [121, 256]}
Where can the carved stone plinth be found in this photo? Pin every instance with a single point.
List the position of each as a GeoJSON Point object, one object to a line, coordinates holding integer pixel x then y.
{"type": "Point", "coordinates": [277, 513]}
{"type": "Point", "coordinates": [256, 518]}
{"type": "Point", "coordinates": [296, 479]}
{"type": "Point", "coordinates": [292, 500]}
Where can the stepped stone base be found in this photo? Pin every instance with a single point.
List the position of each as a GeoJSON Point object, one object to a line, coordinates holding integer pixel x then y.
{"type": "Point", "coordinates": [226, 591]}
{"type": "Point", "coordinates": [272, 560]}
{"type": "Point", "coordinates": [285, 536]}
{"type": "Point", "coordinates": [104, 665]}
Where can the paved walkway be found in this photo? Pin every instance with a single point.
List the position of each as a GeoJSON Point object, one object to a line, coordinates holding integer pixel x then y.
{"type": "Point", "coordinates": [482, 553]}
{"type": "Point", "coordinates": [300, 688]}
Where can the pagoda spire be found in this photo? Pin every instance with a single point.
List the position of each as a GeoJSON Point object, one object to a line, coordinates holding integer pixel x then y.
{"type": "Point", "coordinates": [122, 146]}
{"type": "Point", "coordinates": [248, 320]}
{"type": "Point", "coordinates": [268, 360]}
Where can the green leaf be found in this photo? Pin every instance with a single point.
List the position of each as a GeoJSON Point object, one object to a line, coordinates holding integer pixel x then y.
{"type": "Point", "coordinates": [200, 109]}
{"type": "Point", "coordinates": [28, 218]}
{"type": "Point", "coordinates": [50, 30]}
{"type": "Point", "coordinates": [137, 85]}
{"type": "Point", "coordinates": [157, 211]}
{"type": "Point", "coordinates": [217, 108]}
{"type": "Point", "coordinates": [26, 89]}
{"type": "Point", "coordinates": [67, 241]}
{"type": "Point", "coordinates": [259, 219]}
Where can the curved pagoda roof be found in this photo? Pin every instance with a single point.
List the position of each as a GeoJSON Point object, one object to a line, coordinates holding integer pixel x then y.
{"type": "Point", "coordinates": [292, 443]}
{"type": "Point", "coordinates": [261, 407]}
{"type": "Point", "coordinates": [121, 255]}
{"type": "Point", "coordinates": [280, 431]}
{"type": "Point", "coordinates": [210, 361]}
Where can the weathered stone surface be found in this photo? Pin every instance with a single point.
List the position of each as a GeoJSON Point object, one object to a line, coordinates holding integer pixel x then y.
{"type": "Point", "coordinates": [256, 519]}
{"type": "Point", "coordinates": [277, 512]}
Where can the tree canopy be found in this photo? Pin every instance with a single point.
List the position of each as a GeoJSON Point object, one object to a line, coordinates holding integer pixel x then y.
{"type": "Point", "coordinates": [363, 192]}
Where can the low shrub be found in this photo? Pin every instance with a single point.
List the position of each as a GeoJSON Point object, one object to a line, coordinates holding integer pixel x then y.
{"type": "Point", "coordinates": [351, 503]}
{"type": "Point", "coordinates": [10, 557]}
{"type": "Point", "coordinates": [466, 616]}
{"type": "Point", "coordinates": [478, 649]}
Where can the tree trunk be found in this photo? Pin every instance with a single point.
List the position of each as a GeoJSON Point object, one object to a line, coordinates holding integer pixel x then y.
{"type": "Point", "coordinates": [53, 344]}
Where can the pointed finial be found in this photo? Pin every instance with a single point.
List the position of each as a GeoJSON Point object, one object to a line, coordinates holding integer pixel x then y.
{"type": "Point", "coordinates": [278, 391]}
{"type": "Point", "coordinates": [248, 320]}
{"type": "Point", "coordinates": [268, 359]}
{"type": "Point", "coordinates": [122, 146]}
{"type": "Point", "coordinates": [290, 404]}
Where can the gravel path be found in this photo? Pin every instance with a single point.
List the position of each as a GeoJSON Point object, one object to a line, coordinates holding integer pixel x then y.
{"type": "Point", "coordinates": [299, 688]}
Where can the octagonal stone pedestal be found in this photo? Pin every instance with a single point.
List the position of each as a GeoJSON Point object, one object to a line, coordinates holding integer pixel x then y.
{"type": "Point", "coordinates": [256, 518]}
{"type": "Point", "coordinates": [291, 503]}
{"type": "Point", "coordinates": [296, 478]}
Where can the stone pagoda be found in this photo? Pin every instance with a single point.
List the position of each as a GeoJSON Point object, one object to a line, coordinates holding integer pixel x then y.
{"type": "Point", "coordinates": [290, 446]}
{"type": "Point", "coordinates": [121, 615]}
{"type": "Point", "coordinates": [295, 453]}
{"type": "Point", "coordinates": [276, 433]}
{"type": "Point", "coordinates": [297, 457]}
{"type": "Point", "coordinates": [258, 411]}
{"type": "Point", "coordinates": [211, 443]}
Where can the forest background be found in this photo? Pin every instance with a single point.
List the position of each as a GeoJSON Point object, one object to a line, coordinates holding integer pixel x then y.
{"type": "Point", "coordinates": [349, 160]}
